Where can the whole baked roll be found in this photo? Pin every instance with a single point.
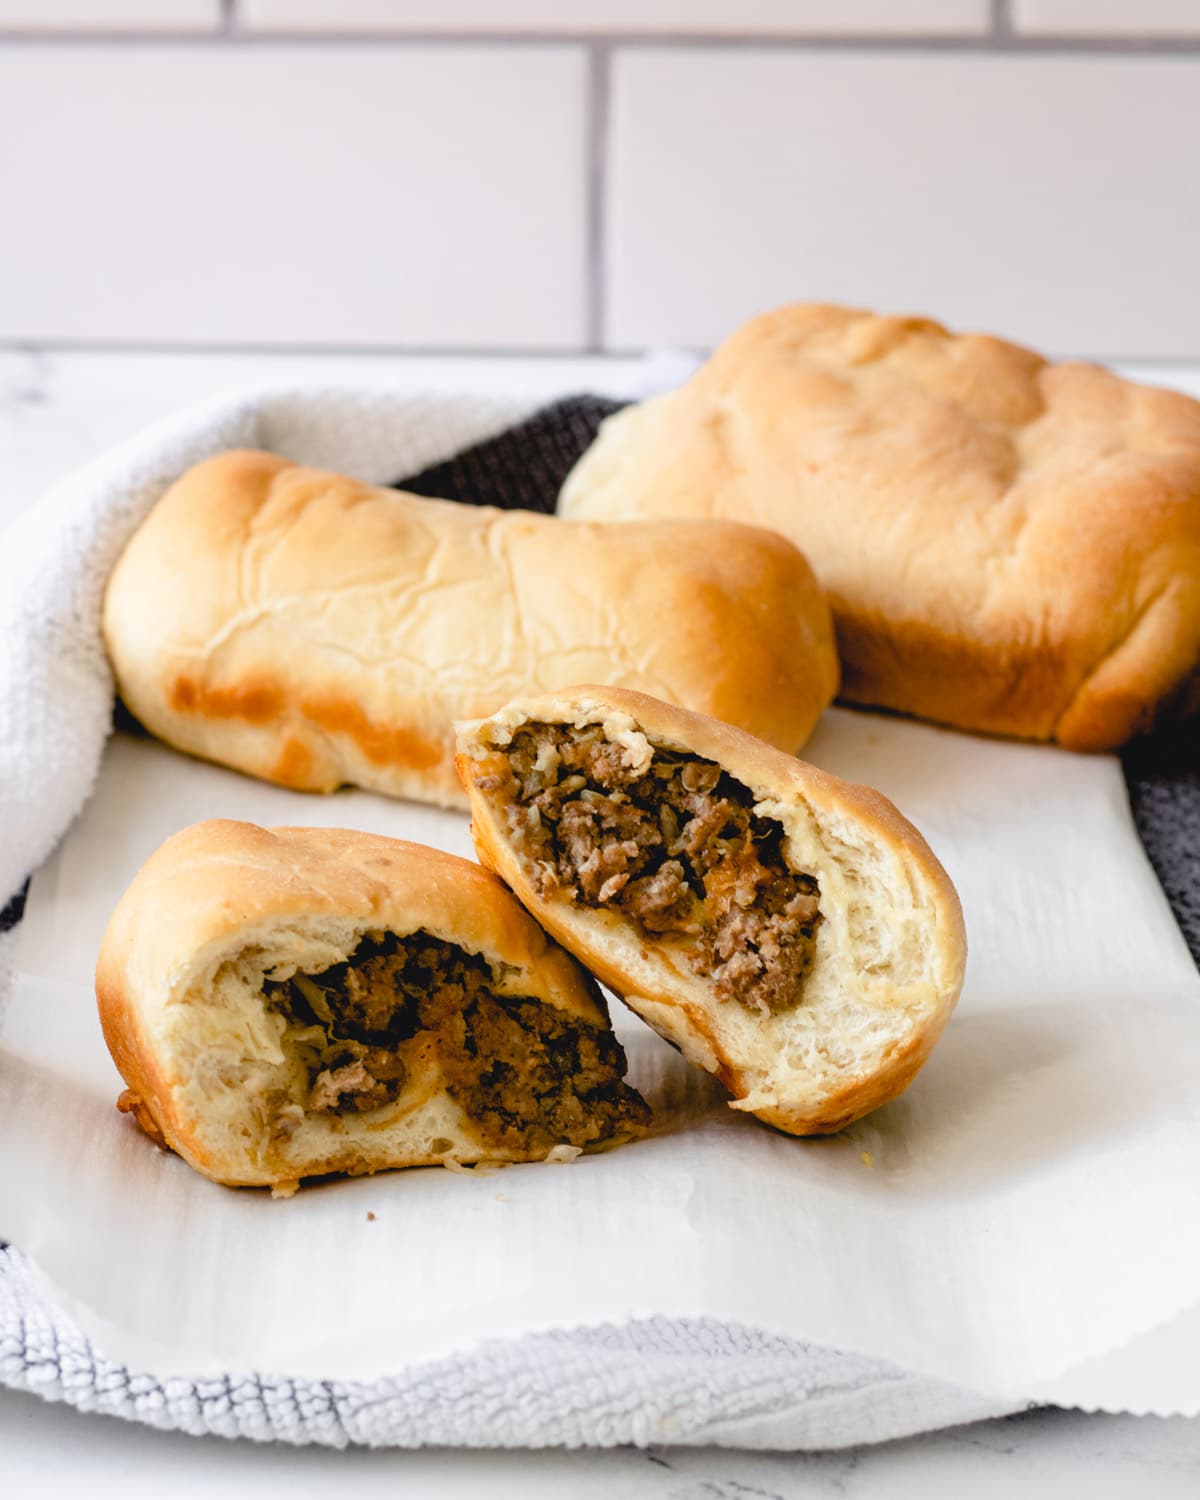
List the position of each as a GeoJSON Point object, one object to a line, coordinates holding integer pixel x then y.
{"type": "Point", "coordinates": [1008, 545]}
{"type": "Point", "coordinates": [789, 932]}
{"type": "Point", "coordinates": [314, 631]}
{"type": "Point", "coordinates": [292, 1002]}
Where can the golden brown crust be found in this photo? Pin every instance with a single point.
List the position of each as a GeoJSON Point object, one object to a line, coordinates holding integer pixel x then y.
{"type": "Point", "coordinates": [859, 1096]}
{"type": "Point", "coordinates": [676, 1003]}
{"type": "Point", "coordinates": [220, 887]}
{"type": "Point", "coordinates": [313, 630]}
{"type": "Point", "coordinates": [1009, 545]}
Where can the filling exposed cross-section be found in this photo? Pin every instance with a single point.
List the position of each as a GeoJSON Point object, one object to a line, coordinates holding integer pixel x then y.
{"type": "Point", "coordinates": [527, 1074]}
{"type": "Point", "coordinates": [676, 846]}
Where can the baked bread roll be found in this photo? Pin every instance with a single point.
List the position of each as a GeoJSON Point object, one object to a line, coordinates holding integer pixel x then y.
{"type": "Point", "coordinates": [285, 1003]}
{"type": "Point", "coordinates": [1008, 545]}
{"type": "Point", "coordinates": [314, 631]}
{"type": "Point", "coordinates": [787, 931]}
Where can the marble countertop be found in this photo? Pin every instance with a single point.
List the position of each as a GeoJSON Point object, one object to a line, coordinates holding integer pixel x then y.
{"type": "Point", "coordinates": [1047, 1454]}
{"type": "Point", "coordinates": [57, 411]}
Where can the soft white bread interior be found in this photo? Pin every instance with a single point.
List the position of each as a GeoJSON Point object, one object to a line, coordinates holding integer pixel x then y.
{"type": "Point", "coordinates": [790, 932]}
{"type": "Point", "coordinates": [292, 1002]}
{"type": "Point", "coordinates": [313, 630]}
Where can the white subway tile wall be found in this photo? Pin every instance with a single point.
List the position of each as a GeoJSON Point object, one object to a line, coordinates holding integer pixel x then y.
{"type": "Point", "coordinates": [356, 196]}
{"type": "Point", "coordinates": [110, 15]}
{"type": "Point", "coordinates": [1045, 197]}
{"type": "Point", "coordinates": [590, 174]}
{"type": "Point", "coordinates": [681, 17]}
{"type": "Point", "coordinates": [1107, 18]}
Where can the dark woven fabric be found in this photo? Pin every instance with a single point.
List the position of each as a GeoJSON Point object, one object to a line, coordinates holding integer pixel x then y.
{"type": "Point", "coordinates": [12, 913]}
{"type": "Point", "coordinates": [1163, 776]}
{"type": "Point", "coordinates": [524, 467]}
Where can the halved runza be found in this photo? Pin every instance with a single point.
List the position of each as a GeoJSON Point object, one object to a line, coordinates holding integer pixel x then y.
{"type": "Point", "coordinates": [285, 1003]}
{"type": "Point", "coordinates": [790, 932]}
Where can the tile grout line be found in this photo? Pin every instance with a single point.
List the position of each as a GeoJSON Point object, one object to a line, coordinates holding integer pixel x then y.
{"type": "Point", "coordinates": [596, 196]}
{"type": "Point", "coordinates": [100, 348]}
{"type": "Point", "coordinates": [36, 348]}
{"type": "Point", "coordinates": [1000, 38]}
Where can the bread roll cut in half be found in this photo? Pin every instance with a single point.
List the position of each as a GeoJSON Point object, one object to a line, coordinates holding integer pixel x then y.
{"type": "Point", "coordinates": [290, 1002]}
{"type": "Point", "coordinates": [789, 932]}
{"type": "Point", "coordinates": [315, 631]}
{"type": "Point", "coordinates": [1009, 545]}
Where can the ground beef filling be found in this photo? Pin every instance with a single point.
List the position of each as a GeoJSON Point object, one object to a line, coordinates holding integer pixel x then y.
{"type": "Point", "coordinates": [676, 846]}
{"type": "Point", "coordinates": [526, 1074]}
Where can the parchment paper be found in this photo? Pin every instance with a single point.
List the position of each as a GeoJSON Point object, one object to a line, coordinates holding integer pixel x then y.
{"type": "Point", "coordinates": [1027, 1209]}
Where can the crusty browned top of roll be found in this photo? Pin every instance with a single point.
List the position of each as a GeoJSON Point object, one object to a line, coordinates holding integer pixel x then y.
{"type": "Point", "coordinates": [789, 931]}
{"type": "Point", "coordinates": [313, 630]}
{"type": "Point", "coordinates": [291, 1002]}
{"type": "Point", "coordinates": [1009, 545]}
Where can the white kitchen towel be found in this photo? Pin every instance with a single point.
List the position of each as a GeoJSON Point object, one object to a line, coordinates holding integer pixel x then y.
{"type": "Point", "coordinates": [652, 1382]}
